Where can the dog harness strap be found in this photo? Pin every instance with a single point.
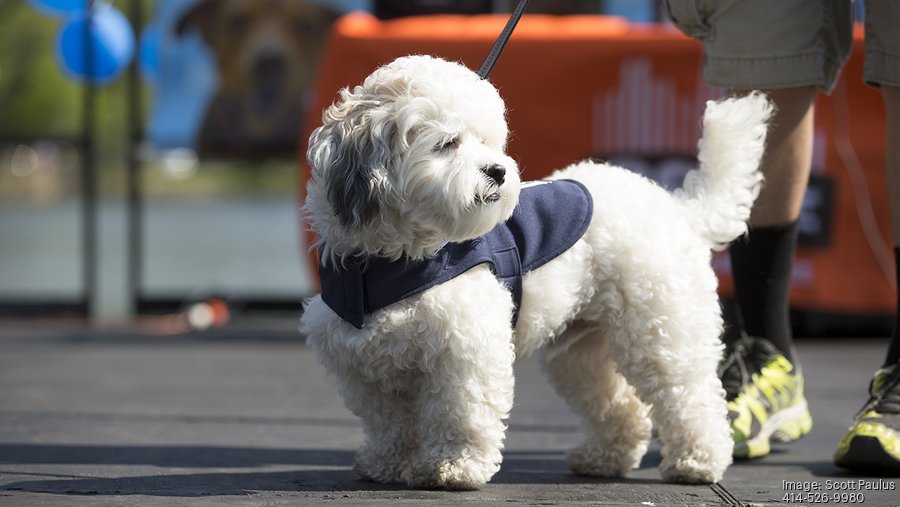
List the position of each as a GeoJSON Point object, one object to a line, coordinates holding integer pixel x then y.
{"type": "Point", "coordinates": [387, 282]}
{"type": "Point", "coordinates": [549, 219]}
{"type": "Point", "coordinates": [507, 264]}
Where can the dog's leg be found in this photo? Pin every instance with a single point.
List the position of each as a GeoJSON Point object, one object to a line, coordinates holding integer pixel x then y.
{"type": "Point", "coordinates": [391, 438]}
{"type": "Point", "coordinates": [388, 422]}
{"type": "Point", "coordinates": [669, 352]}
{"type": "Point", "coordinates": [462, 405]}
{"type": "Point", "coordinates": [616, 422]}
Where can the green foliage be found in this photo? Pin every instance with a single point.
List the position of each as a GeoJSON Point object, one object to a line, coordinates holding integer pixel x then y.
{"type": "Point", "coordinates": [35, 98]}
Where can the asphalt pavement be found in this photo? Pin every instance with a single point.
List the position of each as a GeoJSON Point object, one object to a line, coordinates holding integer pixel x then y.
{"type": "Point", "coordinates": [244, 416]}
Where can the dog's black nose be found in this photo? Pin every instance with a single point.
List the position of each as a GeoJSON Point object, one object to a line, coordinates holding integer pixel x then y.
{"type": "Point", "coordinates": [270, 64]}
{"type": "Point", "coordinates": [495, 172]}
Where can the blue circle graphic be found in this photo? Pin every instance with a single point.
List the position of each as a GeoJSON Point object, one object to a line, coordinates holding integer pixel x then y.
{"type": "Point", "coordinates": [111, 42]}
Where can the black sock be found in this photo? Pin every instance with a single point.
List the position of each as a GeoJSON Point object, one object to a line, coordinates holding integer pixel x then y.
{"type": "Point", "coordinates": [761, 264]}
{"type": "Point", "coordinates": [893, 354]}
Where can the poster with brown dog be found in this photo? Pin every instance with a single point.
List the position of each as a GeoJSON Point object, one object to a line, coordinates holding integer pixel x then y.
{"type": "Point", "coordinates": [235, 74]}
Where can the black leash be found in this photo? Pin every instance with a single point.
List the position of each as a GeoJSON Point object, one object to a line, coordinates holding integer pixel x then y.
{"type": "Point", "coordinates": [499, 44]}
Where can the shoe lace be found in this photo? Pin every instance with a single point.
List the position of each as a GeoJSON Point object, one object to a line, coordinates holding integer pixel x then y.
{"type": "Point", "coordinates": [733, 370]}
{"type": "Point", "coordinates": [887, 399]}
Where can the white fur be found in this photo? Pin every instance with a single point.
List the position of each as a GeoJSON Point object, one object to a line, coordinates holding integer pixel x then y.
{"type": "Point", "coordinates": [628, 319]}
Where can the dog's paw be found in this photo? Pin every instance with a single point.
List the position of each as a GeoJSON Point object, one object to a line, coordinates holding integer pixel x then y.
{"type": "Point", "coordinates": [690, 470]}
{"type": "Point", "coordinates": [458, 474]}
{"type": "Point", "coordinates": [593, 461]}
{"type": "Point", "coordinates": [378, 467]}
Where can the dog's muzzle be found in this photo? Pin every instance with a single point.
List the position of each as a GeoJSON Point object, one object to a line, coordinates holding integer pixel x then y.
{"type": "Point", "coordinates": [495, 175]}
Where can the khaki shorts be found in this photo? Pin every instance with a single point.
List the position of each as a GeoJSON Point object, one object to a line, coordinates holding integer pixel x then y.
{"type": "Point", "coordinates": [766, 44]}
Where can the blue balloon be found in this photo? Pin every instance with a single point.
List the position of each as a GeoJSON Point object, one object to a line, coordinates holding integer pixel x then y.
{"type": "Point", "coordinates": [111, 42]}
{"type": "Point", "coordinates": [59, 7]}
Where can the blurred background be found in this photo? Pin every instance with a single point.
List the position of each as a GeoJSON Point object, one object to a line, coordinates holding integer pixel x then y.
{"type": "Point", "coordinates": [151, 152]}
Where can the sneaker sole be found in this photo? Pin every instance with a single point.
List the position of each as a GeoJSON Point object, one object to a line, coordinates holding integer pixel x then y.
{"type": "Point", "coordinates": [866, 454]}
{"type": "Point", "coordinates": [783, 426]}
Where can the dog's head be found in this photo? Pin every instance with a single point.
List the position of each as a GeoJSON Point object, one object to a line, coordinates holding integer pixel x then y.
{"type": "Point", "coordinates": [410, 160]}
{"type": "Point", "coordinates": [266, 51]}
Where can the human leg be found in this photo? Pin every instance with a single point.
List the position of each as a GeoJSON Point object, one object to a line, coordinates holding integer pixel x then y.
{"type": "Point", "coordinates": [790, 48]}
{"type": "Point", "coordinates": [873, 441]}
{"type": "Point", "coordinates": [891, 96]}
{"type": "Point", "coordinates": [762, 261]}
{"type": "Point", "coordinates": [761, 374]}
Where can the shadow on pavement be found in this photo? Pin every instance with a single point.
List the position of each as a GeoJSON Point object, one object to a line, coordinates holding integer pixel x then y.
{"type": "Point", "coordinates": [521, 467]}
{"type": "Point", "coordinates": [204, 484]}
{"type": "Point", "coordinates": [169, 456]}
{"type": "Point", "coordinates": [821, 468]}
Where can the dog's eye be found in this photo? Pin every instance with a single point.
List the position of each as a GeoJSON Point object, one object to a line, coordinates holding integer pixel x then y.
{"type": "Point", "coordinates": [449, 144]}
{"type": "Point", "coordinates": [304, 27]}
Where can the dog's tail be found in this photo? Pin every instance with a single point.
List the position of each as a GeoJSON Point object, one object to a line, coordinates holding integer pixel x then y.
{"type": "Point", "coordinates": [721, 192]}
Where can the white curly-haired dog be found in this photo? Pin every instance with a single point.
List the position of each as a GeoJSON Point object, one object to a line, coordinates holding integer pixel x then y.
{"type": "Point", "coordinates": [413, 163]}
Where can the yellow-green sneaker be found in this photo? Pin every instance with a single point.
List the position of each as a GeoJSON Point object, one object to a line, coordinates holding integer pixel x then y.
{"type": "Point", "coordinates": [765, 398]}
{"type": "Point", "coordinates": [873, 442]}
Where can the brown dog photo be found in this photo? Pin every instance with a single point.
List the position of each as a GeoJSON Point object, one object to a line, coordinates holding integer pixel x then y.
{"type": "Point", "coordinates": [266, 53]}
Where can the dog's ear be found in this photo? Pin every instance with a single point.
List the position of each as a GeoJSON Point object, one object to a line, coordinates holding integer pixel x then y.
{"type": "Point", "coordinates": [326, 14]}
{"type": "Point", "coordinates": [200, 16]}
{"type": "Point", "coordinates": [350, 154]}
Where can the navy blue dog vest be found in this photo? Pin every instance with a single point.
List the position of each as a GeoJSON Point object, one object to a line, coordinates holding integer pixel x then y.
{"type": "Point", "coordinates": [548, 220]}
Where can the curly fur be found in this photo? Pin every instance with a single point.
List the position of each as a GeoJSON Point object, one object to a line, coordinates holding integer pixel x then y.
{"type": "Point", "coordinates": [627, 321]}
